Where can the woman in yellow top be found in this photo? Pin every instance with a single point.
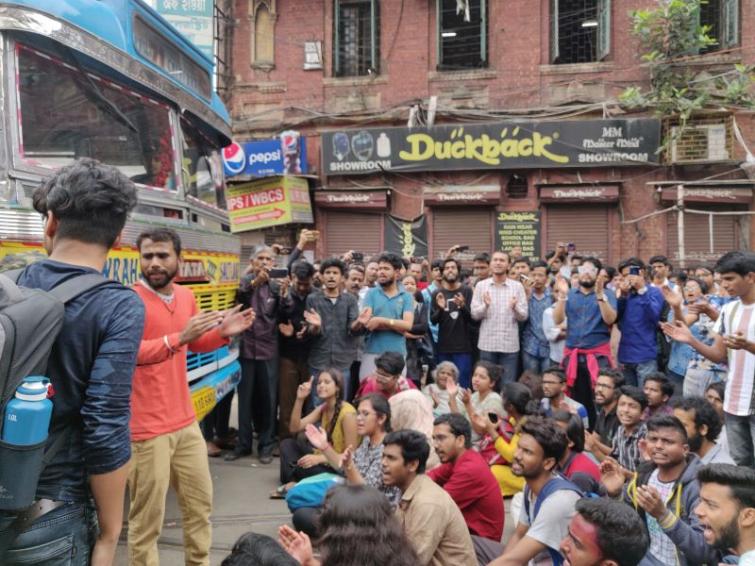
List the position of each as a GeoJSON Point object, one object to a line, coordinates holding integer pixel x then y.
{"type": "Point", "coordinates": [298, 459]}
{"type": "Point", "coordinates": [501, 438]}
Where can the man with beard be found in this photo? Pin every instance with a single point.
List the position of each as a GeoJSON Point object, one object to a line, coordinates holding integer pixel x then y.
{"type": "Point", "coordinates": [665, 493]}
{"type": "Point", "coordinates": [549, 499]}
{"type": "Point", "coordinates": [388, 312]}
{"type": "Point", "coordinates": [355, 280]}
{"type": "Point", "coordinates": [590, 310]}
{"type": "Point", "coordinates": [727, 509]}
{"type": "Point", "coordinates": [703, 429]}
{"type": "Point", "coordinates": [333, 318]}
{"type": "Point", "coordinates": [451, 312]}
{"type": "Point", "coordinates": [167, 445]}
{"type": "Point", "coordinates": [466, 477]}
{"type": "Point", "coordinates": [500, 304]}
{"type": "Point", "coordinates": [607, 393]}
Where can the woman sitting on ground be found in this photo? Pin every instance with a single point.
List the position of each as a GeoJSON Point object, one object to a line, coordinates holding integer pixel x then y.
{"type": "Point", "coordinates": [484, 401]}
{"type": "Point", "coordinates": [358, 526]}
{"type": "Point", "coordinates": [364, 467]}
{"type": "Point", "coordinates": [446, 376]}
{"type": "Point", "coordinates": [298, 458]}
{"type": "Point", "coordinates": [501, 438]}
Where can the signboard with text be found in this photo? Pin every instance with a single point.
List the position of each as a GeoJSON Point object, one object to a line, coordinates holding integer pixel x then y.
{"type": "Point", "coordinates": [501, 145]}
{"type": "Point", "coordinates": [192, 18]}
{"type": "Point", "coordinates": [406, 238]}
{"type": "Point", "coordinates": [268, 202]}
{"type": "Point", "coordinates": [518, 229]}
{"type": "Point", "coordinates": [284, 155]}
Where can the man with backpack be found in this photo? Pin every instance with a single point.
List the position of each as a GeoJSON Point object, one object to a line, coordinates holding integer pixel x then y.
{"type": "Point", "coordinates": [665, 493]}
{"type": "Point", "coordinates": [90, 366]}
{"type": "Point", "coordinates": [549, 498]}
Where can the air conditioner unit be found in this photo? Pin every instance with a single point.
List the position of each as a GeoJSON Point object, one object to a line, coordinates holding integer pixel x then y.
{"type": "Point", "coordinates": [700, 142]}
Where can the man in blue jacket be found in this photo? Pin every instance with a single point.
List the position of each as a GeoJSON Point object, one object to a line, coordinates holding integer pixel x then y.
{"type": "Point", "coordinates": [665, 493]}
{"type": "Point", "coordinates": [639, 312]}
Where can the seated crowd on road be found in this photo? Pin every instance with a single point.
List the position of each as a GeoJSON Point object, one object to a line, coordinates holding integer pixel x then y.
{"type": "Point", "coordinates": [607, 413]}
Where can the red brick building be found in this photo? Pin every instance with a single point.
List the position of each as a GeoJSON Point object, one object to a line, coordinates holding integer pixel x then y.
{"type": "Point", "coordinates": [328, 66]}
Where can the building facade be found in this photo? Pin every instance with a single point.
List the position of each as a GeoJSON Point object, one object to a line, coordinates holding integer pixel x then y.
{"type": "Point", "coordinates": [357, 77]}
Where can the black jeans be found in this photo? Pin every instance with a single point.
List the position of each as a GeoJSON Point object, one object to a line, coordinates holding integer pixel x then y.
{"type": "Point", "coordinates": [258, 401]}
{"type": "Point", "coordinates": [291, 449]}
{"type": "Point", "coordinates": [582, 391]}
{"type": "Point", "coordinates": [215, 424]}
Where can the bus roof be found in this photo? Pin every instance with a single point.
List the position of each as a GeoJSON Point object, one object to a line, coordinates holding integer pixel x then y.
{"type": "Point", "coordinates": [112, 21]}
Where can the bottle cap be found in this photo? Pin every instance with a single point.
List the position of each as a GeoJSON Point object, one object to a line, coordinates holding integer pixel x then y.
{"type": "Point", "coordinates": [33, 388]}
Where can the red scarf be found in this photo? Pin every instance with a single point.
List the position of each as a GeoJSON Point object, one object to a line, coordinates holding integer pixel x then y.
{"type": "Point", "coordinates": [571, 356]}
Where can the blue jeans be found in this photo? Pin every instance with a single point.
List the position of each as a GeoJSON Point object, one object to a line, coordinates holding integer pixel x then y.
{"type": "Point", "coordinates": [535, 363]}
{"type": "Point", "coordinates": [508, 361]}
{"type": "Point", "coordinates": [740, 432]}
{"type": "Point", "coordinates": [62, 537]}
{"type": "Point", "coordinates": [464, 363]}
{"type": "Point", "coordinates": [635, 374]}
{"type": "Point", "coordinates": [258, 401]}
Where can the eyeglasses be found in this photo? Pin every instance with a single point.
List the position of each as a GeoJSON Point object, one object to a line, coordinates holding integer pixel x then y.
{"type": "Point", "coordinates": [587, 269]}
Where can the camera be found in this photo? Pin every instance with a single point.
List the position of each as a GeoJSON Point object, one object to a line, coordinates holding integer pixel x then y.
{"type": "Point", "coordinates": [634, 270]}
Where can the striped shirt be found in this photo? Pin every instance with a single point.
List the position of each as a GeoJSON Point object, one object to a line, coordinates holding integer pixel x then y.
{"type": "Point", "coordinates": [738, 317]}
{"type": "Point", "coordinates": [499, 329]}
{"type": "Point", "coordinates": [626, 447]}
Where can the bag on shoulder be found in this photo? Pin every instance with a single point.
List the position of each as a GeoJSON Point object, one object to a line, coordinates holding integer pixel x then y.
{"type": "Point", "coordinates": [30, 322]}
{"type": "Point", "coordinates": [311, 491]}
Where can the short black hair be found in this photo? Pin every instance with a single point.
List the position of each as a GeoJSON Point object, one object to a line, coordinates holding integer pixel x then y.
{"type": "Point", "coordinates": [302, 269]}
{"type": "Point", "coordinates": [458, 424]}
{"type": "Point", "coordinates": [436, 264]}
{"type": "Point", "coordinates": [630, 262]}
{"type": "Point", "coordinates": [452, 260]}
{"type": "Point", "coordinates": [380, 404]}
{"type": "Point", "coordinates": [666, 421]}
{"type": "Point", "coordinates": [558, 372]}
{"type": "Point", "coordinates": [390, 362]}
{"type": "Point", "coordinates": [705, 414]}
{"type": "Point", "coordinates": [394, 260]}
{"type": "Point", "coordinates": [660, 259]}
{"type": "Point", "coordinates": [622, 536]}
{"type": "Point", "coordinates": [333, 262]}
{"type": "Point", "coordinates": [636, 394]}
{"type": "Point", "coordinates": [540, 263]}
{"type": "Point", "coordinates": [547, 434]}
{"type": "Point", "coordinates": [160, 235]}
{"type": "Point", "coordinates": [254, 549]}
{"type": "Point", "coordinates": [720, 388]}
{"type": "Point", "coordinates": [495, 372]}
{"type": "Point", "coordinates": [90, 200]}
{"type": "Point", "coordinates": [740, 263]}
{"type": "Point", "coordinates": [484, 256]}
{"type": "Point", "coordinates": [413, 446]}
{"type": "Point", "coordinates": [667, 388]}
{"type": "Point", "coordinates": [575, 428]}
{"type": "Point", "coordinates": [594, 260]}
{"type": "Point", "coordinates": [520, 397]}
{"type": "Point", "coordinates": [739, 479]}
{"type": "Point", "coordinates": [521, 260]}
{"type": "Point", "coordinates": [616, 376]}
{"type": "Point", "coordinates": [610, 271]}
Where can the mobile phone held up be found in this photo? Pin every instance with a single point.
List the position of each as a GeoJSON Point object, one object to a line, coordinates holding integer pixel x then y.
{"type": "Point", "coordinates": [634, 270]}
{"type": "Point", "coordinates": [462, 248]}
{"type": "Point", "coordinates": [278, 273]}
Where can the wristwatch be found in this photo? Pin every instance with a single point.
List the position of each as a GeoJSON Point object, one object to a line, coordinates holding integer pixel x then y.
{"type": "Point", "coordinates": [600, 297]}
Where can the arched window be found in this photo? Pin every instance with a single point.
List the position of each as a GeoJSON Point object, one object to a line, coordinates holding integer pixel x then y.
{"type": "Point", "coordinates": [263, 36]}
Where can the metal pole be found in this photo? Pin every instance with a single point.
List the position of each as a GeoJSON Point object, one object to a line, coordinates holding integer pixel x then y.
{"type": "Point", "coordinates": [680, 223]}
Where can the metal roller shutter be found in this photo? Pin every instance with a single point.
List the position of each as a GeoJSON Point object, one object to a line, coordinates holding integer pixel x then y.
{"type": "Point", "coordinates": [464, 226]}
{"type": "Point", "coordinates": [356, 231]}
{"type": "Point", "coordinates": [697, 233]}
{"type": "Point", "coordinates": [585, 225]}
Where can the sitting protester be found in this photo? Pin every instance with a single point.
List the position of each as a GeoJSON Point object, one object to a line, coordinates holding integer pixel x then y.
{"type": "Point", "coordinates": [555, 397]}
{"type": "Point", "coordinates": [466, 477]}
{"type": "Point", "coordinates": [703, 429]}
{"type": "Point", "coordinates": [411, 410]}
{"type": "Point", "coordinates": [575, 464]}
{"type": "Point", "coordinates": [658, 390]}
{"type": "Point", "coordinates": [626, 443]}
{"type": "Point", "coordinates": [253, 549]}
{"type": "Point", "coordinates": [484, 401]}
{"type": "Point", "coordinates": [665, 492]}
{"type": "Point", "coordinates": [607, 393]}
{"type": "Point", "coordinates": [440, 393]}
{"type": "Point", "coordinates": [387, 379]}
{"type": "Point", "coordinates": [298, 458]}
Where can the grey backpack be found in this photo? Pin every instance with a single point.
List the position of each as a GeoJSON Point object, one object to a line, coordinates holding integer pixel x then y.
{"type": "Point", "coordinates": [30, 321]}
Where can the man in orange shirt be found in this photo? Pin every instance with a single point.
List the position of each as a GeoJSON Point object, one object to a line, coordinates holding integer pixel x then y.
{"type": "Point", "coordinates": [166, 443]}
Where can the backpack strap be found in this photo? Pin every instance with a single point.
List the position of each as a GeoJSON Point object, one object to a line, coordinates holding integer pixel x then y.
{"type": "Point", "coordinates": [72, 288]}
{"type": "Point", "coordinates": [13, 274]}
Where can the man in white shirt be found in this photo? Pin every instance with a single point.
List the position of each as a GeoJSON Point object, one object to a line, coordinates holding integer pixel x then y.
{"type": "Point", "coordinates": [733, 342]}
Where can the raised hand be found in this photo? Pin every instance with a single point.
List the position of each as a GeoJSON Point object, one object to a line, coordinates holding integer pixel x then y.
{"type": "Point", "coordinates": [236, 321]}
{"type": "Point", "coordinates": [673, 299]}
{"type": "Point", "coordinates": [286, 328]}
{"type": "Point", "coordinates": [440, 300]}
{"type": "Point", "coordinates": [466, 396]}
{"type": "Point", "coordinates": [199, 324]}
{"type": "Point", "coordinates": [347, 458]}
{"type": "Point", "coordinates": [561, 286]}
{"type": "Point", "coordinates": [304, 390]}
{"type": "Point", "coordinates": [459, 300]}
{"type": "Point", "coordinates": [677, 331]}
{"type": "Point", "coordinates": [600, 285]}
{"type": "Point", "coordinates": [650, 500]}
{"type": "Point", "coordinates": [452, 388]}
{"type": "Point", "coordinates": [317, 436]}
{"type": "Point", "coordinates": [364, 316]}
{"type": "Point", "coordinates": [611, 476]}
{"type": "Point", "coordinates": [297, 545]}
{"type": "Point", "coordinates": [735, 341]}
{"type": "Point", "coordinates": [487, 298]}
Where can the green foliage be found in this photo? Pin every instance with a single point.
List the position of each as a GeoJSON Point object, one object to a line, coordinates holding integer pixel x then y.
{"type": "Point", "coordinates": [668, 35]}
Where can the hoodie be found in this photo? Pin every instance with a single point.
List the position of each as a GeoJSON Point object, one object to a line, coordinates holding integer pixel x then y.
{"type": "Point", "coordinates": [683, 527]}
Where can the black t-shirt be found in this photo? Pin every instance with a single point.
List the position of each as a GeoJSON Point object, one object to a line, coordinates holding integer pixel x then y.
{"type": "Point", "coordinates": [606, 426]}
{"type": "Point", "coordinates": [454, 323]}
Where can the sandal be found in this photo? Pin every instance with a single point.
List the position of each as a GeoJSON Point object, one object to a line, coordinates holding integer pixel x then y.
{"type": "Point", "coordinates": [279, 492]}
{"type": "Point", "coordinates": [213, 451]}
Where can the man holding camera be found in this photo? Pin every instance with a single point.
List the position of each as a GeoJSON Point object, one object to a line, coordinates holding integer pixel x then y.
{"type": "Point", "coordinates": [639, 312]}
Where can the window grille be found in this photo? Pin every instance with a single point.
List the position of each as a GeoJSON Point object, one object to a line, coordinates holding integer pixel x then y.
{"type": "Point", "coordinates": [462, 34]}
{"type": "Point", "coordinates": [580, 31]}
{"type": "Point", "coordinates": [357, 41]}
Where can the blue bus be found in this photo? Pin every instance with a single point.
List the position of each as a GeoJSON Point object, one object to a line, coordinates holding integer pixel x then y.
{"type": "Point", "coordinates": [112, 80]}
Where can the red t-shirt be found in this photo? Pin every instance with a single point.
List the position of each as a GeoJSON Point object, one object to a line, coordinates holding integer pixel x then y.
{"type": "Point", "coordinates": [582, 463]}
{"type": "Point", "coordinates": [370, 385]}
{"type": "Point", "coordinates": [471, 484]}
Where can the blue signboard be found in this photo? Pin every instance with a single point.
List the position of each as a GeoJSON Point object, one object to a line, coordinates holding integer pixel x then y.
{"type": "Point", "coordinates": [285, 155]}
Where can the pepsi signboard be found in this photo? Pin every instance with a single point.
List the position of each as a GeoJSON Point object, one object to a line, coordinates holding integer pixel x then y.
{"type": "Point", "coordinates": [285, 155]}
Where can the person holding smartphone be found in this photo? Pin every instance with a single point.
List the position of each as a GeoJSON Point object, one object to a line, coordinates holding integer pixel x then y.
{"type": "Point", "coordinates": [639, 312]}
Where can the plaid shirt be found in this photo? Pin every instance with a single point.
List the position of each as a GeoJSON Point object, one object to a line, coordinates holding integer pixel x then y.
{"type": "Point", "coordinates": [626, 448]}
{"type": "Point", "coordinates": [499, 329]}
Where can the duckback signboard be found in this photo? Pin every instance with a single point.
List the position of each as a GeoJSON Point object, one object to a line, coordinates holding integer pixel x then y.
{"type": "Point", "coordinates": [501, 145]}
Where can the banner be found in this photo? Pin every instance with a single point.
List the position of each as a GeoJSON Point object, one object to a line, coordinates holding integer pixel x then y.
{"type": "Point", "coordinates": [518, 229]}
{"type": "Point", "coordinates": [268, 202]}
{"type": "Point", "coordinates": [284, 155]}
{"type": "Point", "coordinates": [502, 145]}
{"type": "Point", "coordinates": [408, 239]}
{"type": "Point", "coordinates": [192, 18]}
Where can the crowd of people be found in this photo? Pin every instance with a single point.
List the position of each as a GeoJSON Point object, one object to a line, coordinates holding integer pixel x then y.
{"type": "Point", "coordinates": [611, 410]}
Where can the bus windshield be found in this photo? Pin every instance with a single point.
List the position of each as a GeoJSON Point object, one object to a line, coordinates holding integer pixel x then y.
{"type": "Point", "coordinates": [67, 114]}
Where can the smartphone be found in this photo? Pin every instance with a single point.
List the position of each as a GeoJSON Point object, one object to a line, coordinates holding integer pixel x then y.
{"type": "Point", "coordinates": [571, 247]}
{"type": "Point", "coordinates": [493, 418]}
{"type": "Point", "coordinates": [278, 273]}
{"type": "Point", "coordinates": [634, 270]}
{"type": "Point", "coordinates": [357, 256]}
{"type": "Point", "coordinates": [523, 277]}
{"type": "Point", "coordinates": [462, 248]}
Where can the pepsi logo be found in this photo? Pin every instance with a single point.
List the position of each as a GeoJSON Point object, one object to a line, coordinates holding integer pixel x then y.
{"type": "Point", "coordinates": [234, 158]}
